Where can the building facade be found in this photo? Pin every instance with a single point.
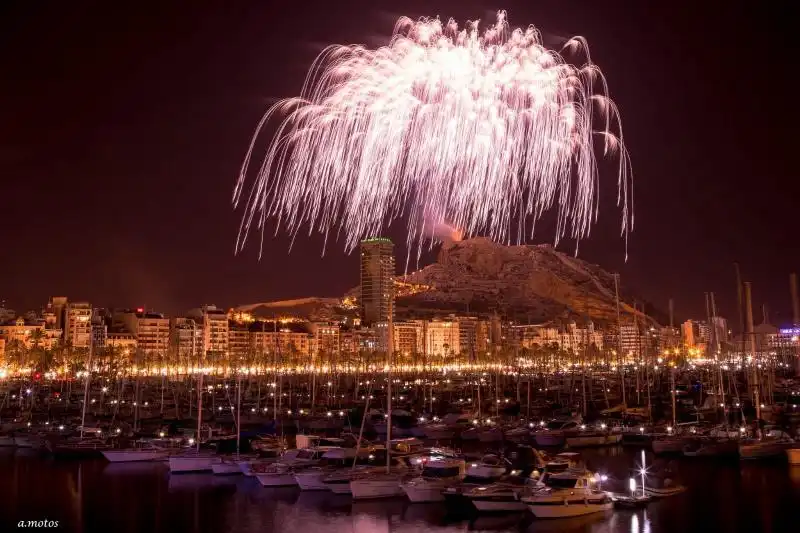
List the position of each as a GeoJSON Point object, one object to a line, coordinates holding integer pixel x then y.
{"type": "Point", "coordinates": [78, 324]}
{"type": "Point", "coordinates": [377, 280]}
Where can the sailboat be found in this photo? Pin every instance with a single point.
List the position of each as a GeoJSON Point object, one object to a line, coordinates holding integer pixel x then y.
{"type": "Point", "coordinates": [387, 484]}
{"type": "Point", "coordinates": [194, 461]}
{"type": "Point", "coordinates": [230, 466]}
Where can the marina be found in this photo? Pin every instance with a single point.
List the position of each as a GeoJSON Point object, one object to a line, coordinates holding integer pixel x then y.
{"type": "Point", "coordinates": [95, 495]}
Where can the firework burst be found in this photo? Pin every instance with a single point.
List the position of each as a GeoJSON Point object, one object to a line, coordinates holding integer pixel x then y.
{"type": "Point", "coordinates": [481, 131]}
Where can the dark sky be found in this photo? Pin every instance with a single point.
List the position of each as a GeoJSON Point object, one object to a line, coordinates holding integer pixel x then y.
{"type": "Point", "coordinates": [123, 125]}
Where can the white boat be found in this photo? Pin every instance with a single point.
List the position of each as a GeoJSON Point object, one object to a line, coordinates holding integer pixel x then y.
{"type": "Point", "coordinates": [192, 463]}
{"type": "Point", "coordinates": [131, 455]}
{"type": "Point", "coordinates": [567, 494]}
{"type": "Point", "coordinates": [497, 498]}
{"type": "Point", "coordinates": [277, 475]}
{"type": "Point", "coordinates": [794, 455]}
{"type": "Point", "coordinates": [488, 468]}
{"type": "Point", "coordinates": [376, 486]}
{"type": "Point", "coordinates": [757, 449]}
{"type": "Point", "coordinates": [436, 476]}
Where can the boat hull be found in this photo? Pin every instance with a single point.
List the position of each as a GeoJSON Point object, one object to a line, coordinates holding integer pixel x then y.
{"type": "Point", "coordinates": [424, 493]}
{"type": "Point", "coordinates": [311, 480]}
{"type": "Point", "coordinates": [226, 469]}
{"type": "Point", "coordinates": [179, 465]}
{"type": "Point", "coordinates": [497, 504]}
{"type": "Point", "coordinates": [665, 446]}
{"type": "Point", "coordinates": [135, 456]}
{"type": "Point", "coordinates": [761, 450]}
{"type": "Point", "coordinates": [549, 439]}
{"type": "Point", "coordinates": [370, 489]}
{"type": "Point", "coordinates": [276, 480]}
{"type": "Point", "coordinates": [569, 509]}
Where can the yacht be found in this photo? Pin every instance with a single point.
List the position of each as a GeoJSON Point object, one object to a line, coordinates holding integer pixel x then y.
{"type": "Point", "coordinates": [376, 485]}
{"type": "Point", "coordinates": [333, 459]}
{"type": "Point", "coordinates": [554, 433]}
{"type": "Point", "coordinates": [339, 480]}
{"type": "Point", "coordinates": [277, 475]}
{"type": "Point", "coordinates": [490, 467]}
{"type": "Point", "coordinates": [500, 497]}
{"type": "Point", "coordinates": [449, 427]}
{"type": "Point", "coordinates": [437, 475]}
{"type": "Point", "coordinates": [566, 494]}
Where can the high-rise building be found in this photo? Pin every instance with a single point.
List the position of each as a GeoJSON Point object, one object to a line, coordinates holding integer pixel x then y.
{"type": "Point", "coordinates": [377, 280]}
{"type": "Point", "coordinates": [78, 324]}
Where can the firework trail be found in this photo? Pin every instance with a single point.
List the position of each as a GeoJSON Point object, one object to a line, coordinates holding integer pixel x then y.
{"type": "Point", "coordinates": [484, 132]}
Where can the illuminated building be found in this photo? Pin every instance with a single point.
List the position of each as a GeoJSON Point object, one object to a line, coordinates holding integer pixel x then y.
{"type": "Point", "coordinates": [78, 324]}
{"type": "Point", "coordinates": [473, 335]}
{"type": "Point", "coordinates": [151, 330]}
{"type": "Point", "coordinates": [239, 344]}
{"type": "Point", "coordinates": [409, 337]}
{"type": "Point", "coordinates": [442, 338]}
{"type": "Point", "coordinates": [377, 280]}
{"type": "Point", "coordinates": [214, 322]}
{"type": "Point", "coordinates": [121, 341]}
{"type": "Point", "coordinates": [22, 333]}
{"type": "Point", "coordinates": [630, 340]}
{"type": "Point", "coordinates": [695, 335]}
{"type": "Point", "coordinates": [325, 337]}
{"type": "Point", "coordinates": [187, 338]}
{"type": "Point", "coordinates": [280, 340]}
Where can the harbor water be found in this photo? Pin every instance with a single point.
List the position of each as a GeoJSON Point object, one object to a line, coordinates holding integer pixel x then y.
{"type": "Point", "coordinates": [94, 496]}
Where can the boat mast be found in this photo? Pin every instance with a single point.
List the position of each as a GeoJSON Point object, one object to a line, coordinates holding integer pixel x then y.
{"type": "Point", "coordinates": [389, 350]}
{"type": "Point", "coordinates": [238, 412]}
{"type": "Point", "coordinates": [86, 385]}
{"type": "Point", "coordinates": [748, 302]}
{"type": "Point", "coordinates": [717, 350]}
{"type": "Point", "coordinates": [199, 406]}
{"type": "Point", "coordinates": [619, 341]}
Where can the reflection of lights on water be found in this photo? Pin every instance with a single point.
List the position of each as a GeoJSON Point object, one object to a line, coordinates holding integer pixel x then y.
{"type": "Point", "coordinates": [634, 520]}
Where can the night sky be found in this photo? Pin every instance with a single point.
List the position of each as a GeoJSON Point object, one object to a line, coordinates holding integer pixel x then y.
{"type": "Point", "coordinates": [123, 126]}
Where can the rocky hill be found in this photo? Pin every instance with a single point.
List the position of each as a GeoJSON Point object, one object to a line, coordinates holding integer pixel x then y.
{"type": "Point", "coordinates": [529, 283]}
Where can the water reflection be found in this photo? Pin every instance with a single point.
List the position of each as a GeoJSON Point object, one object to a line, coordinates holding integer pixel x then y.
{"type": "Point", "coordinates": [93, 496]}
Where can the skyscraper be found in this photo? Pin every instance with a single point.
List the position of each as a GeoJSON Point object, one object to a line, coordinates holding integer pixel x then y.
{"type": "Point", "coordinates": [377, 280]}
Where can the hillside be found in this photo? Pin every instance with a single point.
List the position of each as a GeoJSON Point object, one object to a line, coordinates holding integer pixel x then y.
{"type": "Point", "coordinates": [529, 283]}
